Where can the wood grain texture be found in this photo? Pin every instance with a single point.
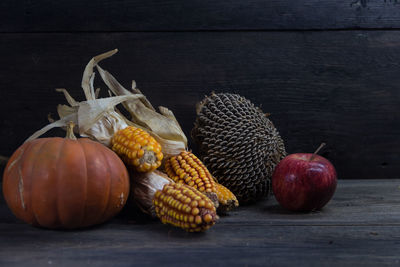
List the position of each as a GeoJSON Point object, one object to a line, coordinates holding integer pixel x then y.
{"type": "Point", "coordinates": [178, 15]}
{"type": "Point", "coordinates": [335, 87]}
{"type": "Point", "coordinates": [358, 227]}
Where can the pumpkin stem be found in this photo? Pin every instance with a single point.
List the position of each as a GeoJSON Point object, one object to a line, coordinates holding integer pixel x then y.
{"type": "Point", "coordinates": [70, 131]}
{"type": "Point", "coordinates": [316, 151]}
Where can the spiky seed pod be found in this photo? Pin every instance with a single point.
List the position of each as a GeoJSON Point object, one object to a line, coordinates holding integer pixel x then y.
{"type": "Point", "coordinates": [186, 168]}
{"type": "Point", "coordinates": [184, 207]}
{"type": "Point", "coordinates": [227, 200]}
{"type": "Point", "coordinates": [137, 148]}
{"type": "Point", "coordinates": [238, 144]}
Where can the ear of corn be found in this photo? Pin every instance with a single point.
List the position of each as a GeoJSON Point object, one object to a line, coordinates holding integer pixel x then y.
{"type": "Point", "coordinates": [184, 207]}
{"type": "Point", "coordinates": [187, 169]}
{"type": "Point", "coordinates": [137, 148]}
{"type": "Point", "coordinates": [227, 200]}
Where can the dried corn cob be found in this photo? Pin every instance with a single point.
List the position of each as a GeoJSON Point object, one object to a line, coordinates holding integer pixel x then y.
{"type": "Point", "coordinates": [184, 207]}
{"type": "Point", "coordinates": [227, 200]}
{"type": "Point", "coordinates": [187, 169]}
{"type": "Point", "coordinates": [144, 185]}
{"type": "Point", "coordinates": [138, 148]}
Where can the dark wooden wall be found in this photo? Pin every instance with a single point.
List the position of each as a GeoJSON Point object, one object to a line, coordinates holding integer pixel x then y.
{"type": "Point", "coordinates": [327, 71]}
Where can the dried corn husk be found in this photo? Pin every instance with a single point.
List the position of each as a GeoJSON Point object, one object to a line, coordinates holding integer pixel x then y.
{"type": "Point", "coordinates": [163, 126]}
{"type": "Point", "coordinates": [143, 187]}
{"type": "Point", "coordinates": [95, 119]}
{"type": "Point", "coordinates": [98, 118]}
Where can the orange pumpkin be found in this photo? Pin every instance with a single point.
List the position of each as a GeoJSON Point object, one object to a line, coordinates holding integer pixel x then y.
{"type": "Point", "coordinates": [65, 183]}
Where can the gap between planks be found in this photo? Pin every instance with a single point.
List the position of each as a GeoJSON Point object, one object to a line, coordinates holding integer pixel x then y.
{"type": "Point", "coordinates": [204, 30]}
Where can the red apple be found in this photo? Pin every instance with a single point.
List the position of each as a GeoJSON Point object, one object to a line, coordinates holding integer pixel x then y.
{"type": "Point", "coordinates": [304, 181]}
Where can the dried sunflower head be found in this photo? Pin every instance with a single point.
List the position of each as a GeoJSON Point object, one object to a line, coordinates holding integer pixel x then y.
{"type": "Point", "coordinates": [238, 144]}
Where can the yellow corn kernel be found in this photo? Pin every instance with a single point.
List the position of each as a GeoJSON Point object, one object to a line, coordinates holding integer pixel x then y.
{"type": "Point", "coordinates": [191, 218]}
{"type": "Point", "coordinates": [227, 200]}
{"type": "Point", "coordinates": [138, 148]}
{"type": "Point", "coordinates": [188, 169]}
{"type": "Point", "coordinates": [207, 218]}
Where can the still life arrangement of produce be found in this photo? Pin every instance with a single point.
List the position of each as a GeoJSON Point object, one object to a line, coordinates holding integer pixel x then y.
{"type": "Point", "coordinates": [144, 158]}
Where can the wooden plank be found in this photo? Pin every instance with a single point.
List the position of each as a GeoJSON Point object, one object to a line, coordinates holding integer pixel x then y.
{"type": "Point", "coordinates": [126, 240]}
{"type": "Point", "coordinates": [177, 15]}
{"type": "Point", "coordinates": [336, 87]}
{"type": "Point", "coordinates": [355, 203]}
{"type": "Point", "coordinates": [221, 246]}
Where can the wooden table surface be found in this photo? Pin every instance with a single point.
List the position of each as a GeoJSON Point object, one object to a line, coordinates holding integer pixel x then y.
{"type": "Point", "coordinates": [359, 227]}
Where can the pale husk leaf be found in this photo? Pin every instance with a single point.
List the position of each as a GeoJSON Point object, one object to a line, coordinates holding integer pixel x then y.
{"type": "Point", "coordinates": [95, 119]}
{"type": "Point", "coordinates": [87, 79]}
{"type": "Point", "coordinates": [60, 123]}
{"type": "Point", "coordinates": [64, 110]}
{"type": "Point", "coordinates": [71, 101]}
{"type": "Point", "coordinates": [99, 119]}
{"type": "Point", "coordinates": [143, 113]}
{"type": "Point", "coordinates": [169, 147]}
{"type": "Point", "coordinates": [145, 101]}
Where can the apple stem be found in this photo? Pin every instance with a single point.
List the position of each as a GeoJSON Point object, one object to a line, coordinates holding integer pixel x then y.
{"type": "Point", "coordinates": [316, 151]}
